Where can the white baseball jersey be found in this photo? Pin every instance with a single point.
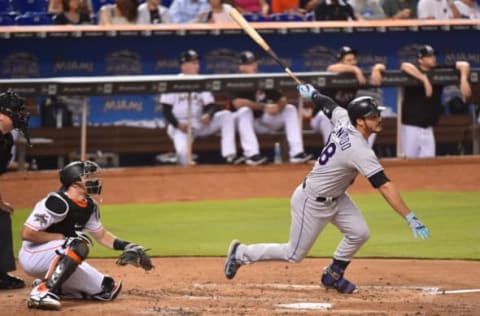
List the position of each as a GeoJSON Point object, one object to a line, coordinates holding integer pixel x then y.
{"type": "Point", "coordinates": [179, 102]}
{"type": "Point", "coordinates": [36, 258]}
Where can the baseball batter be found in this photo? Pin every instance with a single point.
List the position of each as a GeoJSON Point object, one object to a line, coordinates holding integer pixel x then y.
{"type": "Point", "coordinates": [321, 198]}
{"type": "Point", "coordinates": [54, 246]}
{"type": "Point", "coordinates": [205, 120]}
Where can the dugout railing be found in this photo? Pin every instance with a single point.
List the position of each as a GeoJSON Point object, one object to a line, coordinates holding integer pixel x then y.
{"type": "Point", "coordinates": [457, 129]}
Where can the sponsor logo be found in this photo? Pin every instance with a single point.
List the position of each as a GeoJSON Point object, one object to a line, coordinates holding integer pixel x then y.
{"type": "Point", "coordinates": [318, 58]}
{"type": "Point", "coordinates": [21, 65]}
{"type": "Point", "coordinates": [221, 61]}
{"type": "Point", "coordinates": [123, 62]}
{"type": "Point", "coordinates": [116, 105]}
{"type": "Point", "coordinates": [73, 66]}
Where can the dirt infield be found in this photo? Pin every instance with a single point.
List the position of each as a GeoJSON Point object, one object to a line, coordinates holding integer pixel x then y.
{"type": "Point", "coordinates": [196, 286]}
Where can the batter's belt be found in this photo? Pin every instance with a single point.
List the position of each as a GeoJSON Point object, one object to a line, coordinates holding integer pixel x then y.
{"type": "Point", "coordinates": [328, 199]}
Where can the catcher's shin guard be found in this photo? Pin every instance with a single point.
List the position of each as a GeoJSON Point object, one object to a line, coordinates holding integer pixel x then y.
{"type": "Point", "coordinates": [65, 264]}
{"type": "Point", "coordinates": [110, 290]}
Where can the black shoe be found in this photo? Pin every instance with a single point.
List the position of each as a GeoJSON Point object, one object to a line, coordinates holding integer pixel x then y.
{"type": "Point", "coordinates": [234, 160]}
{"type": "Point", "coordinates": [301, 158]}
{"type": "Point", "coordinates": [9, 282]}
{"type": "Point", "coordinates": [256, 160]}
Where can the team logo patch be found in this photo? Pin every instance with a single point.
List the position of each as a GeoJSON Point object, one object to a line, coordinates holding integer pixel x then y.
{"type": "Point", "coordinates": [41, 218]}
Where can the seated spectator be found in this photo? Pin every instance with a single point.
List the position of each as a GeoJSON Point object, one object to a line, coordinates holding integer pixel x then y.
{"type": "Point", "coordinates": [286, 6]}
{"type": "Point", "coordinates": [72, 14]}
{"type": "Point", "coordinates": [219, 12]}
{"type": "Point", "coordinates": [437, 10]}
{"type": "Point", "coordinates": [334, 10]}
{"type": "Point", "coordinates": [368, 9]}
{"type": "Point", "coordinates": [189, 11]}
{"type": "Point", "coordinates": [400, 9]}
{"type": "Point", "coordinates": [468, 9]}
{"type": "Point", "coordinates": [152, 12]}
{"type": "Point", "coordinates": [121, 12]}
{"type": "Point", "coordinates": [253, 6]}
{"type": "Point", "coordinates": [57, 7]}
{"type": "Point", "coordinates": [307, 5]}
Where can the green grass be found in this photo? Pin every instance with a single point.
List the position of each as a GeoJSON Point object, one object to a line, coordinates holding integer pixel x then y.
{"type": "Point", "coordinates": [206, 228]}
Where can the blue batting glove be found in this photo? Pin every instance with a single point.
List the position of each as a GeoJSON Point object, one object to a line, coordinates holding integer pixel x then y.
{"type": "Point", "coordinates": [418, 229]}
{"type": "Point", "coordinates": [307, 91]}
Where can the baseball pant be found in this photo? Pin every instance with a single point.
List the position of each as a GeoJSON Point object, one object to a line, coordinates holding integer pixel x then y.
{"type": "Point", "coordinates": [288, 120]}
{"type": "Point", "coordinates": [36, 261]}
{"type": "Point", "coordinates": [308, 219]}
{"type": "Point", "coordinates": [221, 121]}
{"type": "Point", "coordinates": [248, 139]}
{"type": "Point", "coordinates": [418, 142]}
{"type": "Point", "coordinates": [7, 259]}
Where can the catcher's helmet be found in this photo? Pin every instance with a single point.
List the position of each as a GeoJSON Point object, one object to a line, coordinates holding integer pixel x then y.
{"type": "Point", "coordinates": [76, 170]}
{"type": "Point", "coordinates": [13, 106]}
{"type": "Point", "coordinates": [362, 107]}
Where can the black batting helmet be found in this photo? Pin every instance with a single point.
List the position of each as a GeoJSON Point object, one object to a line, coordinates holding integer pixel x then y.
{"type": "Point", "coordinates": [74, 171]}
{"type": "Point", "coordinates": [362, 107]}
{"type": "Point", "coordinates": [14, 107]}
{"type": "Point", "coordinates": [345, 50]}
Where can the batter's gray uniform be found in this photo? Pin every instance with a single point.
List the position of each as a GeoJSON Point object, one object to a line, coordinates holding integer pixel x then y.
{"type": "Point", "coordinates": [322, 199]}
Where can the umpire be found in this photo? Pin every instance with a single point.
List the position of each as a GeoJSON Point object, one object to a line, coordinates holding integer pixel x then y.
{"type": "Point", "coordinates": [13, 115]}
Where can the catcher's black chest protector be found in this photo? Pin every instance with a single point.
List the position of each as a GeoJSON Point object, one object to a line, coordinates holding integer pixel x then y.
{"type": "Point", "coordinates": [6, 143]}
{"type": "Point", "coordinates": [76, 218]}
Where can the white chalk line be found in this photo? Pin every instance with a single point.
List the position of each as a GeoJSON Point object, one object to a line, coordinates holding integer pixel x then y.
{"type": "Point", "coordinates": [287, 286]}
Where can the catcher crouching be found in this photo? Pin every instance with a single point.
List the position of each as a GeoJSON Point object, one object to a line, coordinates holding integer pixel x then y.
{"type": "Point", "coordinates": [55, 247]}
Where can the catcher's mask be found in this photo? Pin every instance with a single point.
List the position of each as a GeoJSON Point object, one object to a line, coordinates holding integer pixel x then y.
{"type": "Point", "coordinates": [77, 171]}
{"type": "Point", "coordinates": [13, 106]}
{"type": "Point", "coordinates": [363, 107]}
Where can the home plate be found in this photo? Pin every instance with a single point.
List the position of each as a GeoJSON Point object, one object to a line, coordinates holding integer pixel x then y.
{"type": "Point", "coordinates": [318, 306]}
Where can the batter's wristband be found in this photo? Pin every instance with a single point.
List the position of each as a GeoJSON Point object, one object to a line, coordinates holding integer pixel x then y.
{"type": "Point", "coordinates": [119, 244]}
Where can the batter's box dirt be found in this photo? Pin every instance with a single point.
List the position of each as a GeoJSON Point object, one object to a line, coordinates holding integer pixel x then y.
{"type": "Point", "coordinates": [197, 286]}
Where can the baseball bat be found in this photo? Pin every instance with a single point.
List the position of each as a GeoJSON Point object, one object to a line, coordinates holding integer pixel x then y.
{"type": "Point", "coordinates": [237, 17]}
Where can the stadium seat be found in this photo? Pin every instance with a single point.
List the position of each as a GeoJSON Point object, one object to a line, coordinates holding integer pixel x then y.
{"type": "Point", "coordinates": [37, 18]}
{"type": "Point", "coordinates": [255, 17]}
{"type": "Point", "coordinates": [7, 19]}
{"type": "Point", "coordinates": [286, 17]}
{"type": "Point", "coordinates": [26, 6]}
{"type": "Point", "coordinates": [309, 16]}
{"type": "Point", "coordinates": [5, 6]}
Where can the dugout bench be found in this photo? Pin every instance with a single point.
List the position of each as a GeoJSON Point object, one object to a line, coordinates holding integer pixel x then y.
{"type": "Point", "coordinates": [453, 135]}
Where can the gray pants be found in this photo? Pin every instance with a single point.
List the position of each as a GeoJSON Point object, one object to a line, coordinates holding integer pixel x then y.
{"type": "Point", "coordinates": [309, 218]}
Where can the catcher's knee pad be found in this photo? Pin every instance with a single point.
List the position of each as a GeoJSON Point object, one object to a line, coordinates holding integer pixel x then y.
{"type": "Point", "coordinates": [65, 264]}
{"type": "Point", "coordinates": [110, 289]}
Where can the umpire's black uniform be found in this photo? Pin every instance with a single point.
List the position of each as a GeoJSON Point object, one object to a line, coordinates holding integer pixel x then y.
{"type": "Point", "coordinates": [13, 107]}
{"type": "Point", "coordinates": [7, 259]}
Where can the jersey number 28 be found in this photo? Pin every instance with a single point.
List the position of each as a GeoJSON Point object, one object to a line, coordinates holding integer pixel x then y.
{"type": "Point", "coordinates": [327, 152]}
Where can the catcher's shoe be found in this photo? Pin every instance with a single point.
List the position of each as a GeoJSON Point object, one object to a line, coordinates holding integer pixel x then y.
{"type": "Point", "coordinates": [231, 264]}
{"type": "Point", "coordinates": [332, 278]}
{"type": "Point", "coordinates": [42, 298]}
{"type": "Point", "coordinates": [109, 295]}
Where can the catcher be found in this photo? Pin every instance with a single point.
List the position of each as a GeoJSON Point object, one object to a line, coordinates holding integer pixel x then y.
{"type": "Point", "coordinates": [55, 246]}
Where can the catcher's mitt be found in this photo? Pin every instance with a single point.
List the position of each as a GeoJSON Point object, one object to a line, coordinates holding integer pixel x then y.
{"type": "Point", "coordinates": [135, 255]}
